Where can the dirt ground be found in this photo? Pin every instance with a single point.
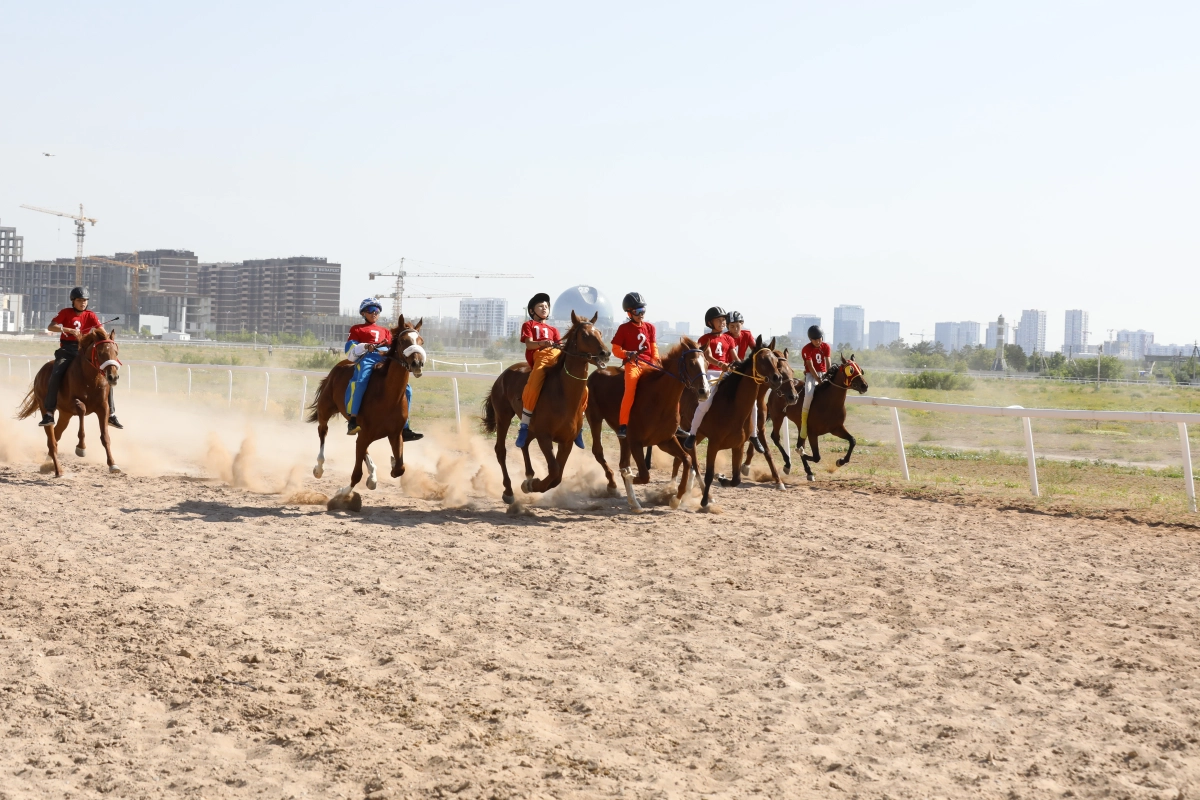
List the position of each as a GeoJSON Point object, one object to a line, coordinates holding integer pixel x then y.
{"type": "Point", "coordinates": [192, 628]}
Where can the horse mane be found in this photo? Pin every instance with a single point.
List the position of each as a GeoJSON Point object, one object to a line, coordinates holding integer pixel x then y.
{"type": "Point", "coordinates": [561, 364]}
{"type": "Point", "coordinates": [741, 368]}
{"type": "Point", "coordinates": [93, 336]}
{"type": "Point", "coordinates": [684, 343]}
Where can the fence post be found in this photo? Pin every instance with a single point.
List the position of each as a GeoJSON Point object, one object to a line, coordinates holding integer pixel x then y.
{"type": "Point", "coordinates": [130, 378]}
{"type": "Point", "coordinates": [900, 443]}
{"type": "Point", "coordinates": [189, 381]}
{"type": "Point", "coordinates": [1187, 465]}
{"type": "Point", "coordinates": [10, 369]}
{"type": "Point", "coordinates": [457, 413]}
{"type": "Point", "coordinates": [1033, 481]}
{"type": "Point", "coordinates": [154, 367]}
{"type": "Point", "coordinates": [230, 388]}
{"type": "Point", "coordinates": [267, 391]}
{"type": "Point", "coordinates": [303, 395]}
{"type": "Point", "coordinates": [29, 367]}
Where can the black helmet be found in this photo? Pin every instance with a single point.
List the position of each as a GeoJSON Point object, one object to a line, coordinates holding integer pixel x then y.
{"type": "Point", "coordinates": [540, 297]}
{"type": "Point", "coordinates": [79, 293]}
{"type": "Point", "coordinates": [633, 300]}
{"type": "Point", "coordinates": [814, 332]}
{"type": "Point", "coordinates": [735, 316]}
{"type": "Point", "coordinates": [713, 313]}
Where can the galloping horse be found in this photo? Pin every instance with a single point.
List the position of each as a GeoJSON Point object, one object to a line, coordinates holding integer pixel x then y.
{"type": "Point", "coordinates": [654, 418]}
{"type": "Point", "coordinates": [384, 409]}
{"type": "Point", "coordinates": [84, 390]}
{"type": "Point", "coordinates": [559, 413]}
{"type": "Point", "coordinates": [827, 415]}
{"type": "Point", "coordinates": [727, 423]}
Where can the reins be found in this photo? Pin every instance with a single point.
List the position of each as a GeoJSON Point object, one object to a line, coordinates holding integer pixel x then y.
{"type": "Point", "coordinates": [589, 358]}
{"type": "Point", "coordinates": [91, 360]}
{"type": "Point", "coordinates": [659, 368]}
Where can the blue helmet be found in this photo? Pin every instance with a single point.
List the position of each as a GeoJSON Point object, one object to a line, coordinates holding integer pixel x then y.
{"type": "Point", "coordinates": [370, 304]}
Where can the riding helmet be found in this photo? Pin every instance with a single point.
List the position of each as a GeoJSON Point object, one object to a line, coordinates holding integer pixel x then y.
{"type": "Point", "coordinates": [79, 293]}
{"type": "Point", "coordinates": [735, 316]}
{"type": "Point", "coordinates": [540, 297]}
{"type": "Point", "coordinates": [814, 332]}
{"type": "Point", "coordinates": [633, 300]}
{"type": "Point", "coordinates": [713, 313]}
{"type": "Point", "coordinates": [370, 304]}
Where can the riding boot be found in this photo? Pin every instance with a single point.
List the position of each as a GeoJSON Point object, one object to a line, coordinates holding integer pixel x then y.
{"type": "Point", "coordinates": [579, 439]}
{"type": "Point", "coordinates": [409, 435]}
{"type": "Point", "coordinates": [803, 425]}
{"type": "Point", "coordinates": [690, 442]}
{"type": "Point", "coordinates": [681, 434]}
{"type": "Point", "coordinates": [758, 448]}
{"type": "Point", "coordinates": [62, 359]}
{"type": "Point", "coordinates": [622, 430]}
{"type": "Point", "coordinates": [352, 426]}
{"type": "Point", "coordinates": [523, 434]}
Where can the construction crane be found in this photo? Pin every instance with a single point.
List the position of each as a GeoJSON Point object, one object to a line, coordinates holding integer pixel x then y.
{"type": "Point", "coordinates": [399, 294]}
{"type": "Point", "coordinates": [79, 228]}
{"type": "Point", "coordinates": [134, 267]}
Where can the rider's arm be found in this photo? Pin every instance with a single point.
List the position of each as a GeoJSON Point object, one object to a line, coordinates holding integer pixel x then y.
{"type": "Point", "coordinates": [618, 351]}
{"type": "Point", "coordinates": [811, 369]}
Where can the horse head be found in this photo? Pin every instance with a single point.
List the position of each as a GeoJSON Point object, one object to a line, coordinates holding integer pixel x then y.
{"type": "Point", "coordinates": [408, 346]}
{"type": "Point", "coordinates": [789, 389]}
{"type": "Point", "coordinates": [102, 353]}
{"type": "Point", "coordinates": [766, 365]}
{"type": "Point", "coordinates": [693, 373]}
{"type": "Point", "coordinates": [850, 375]}
{"type": "Point", "coordinates": [584, 339]}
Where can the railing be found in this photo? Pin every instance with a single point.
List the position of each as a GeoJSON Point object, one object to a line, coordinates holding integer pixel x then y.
{"type": "Point", "coordinates": [1024, 414]}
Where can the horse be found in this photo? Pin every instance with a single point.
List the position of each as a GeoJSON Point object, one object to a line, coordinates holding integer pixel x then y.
{"type": "Point", "coordinates": [384, 409]}
{"type": "Point", "coordinates": [827, 414]}
{"type": "Point", "coordinates": [786, 395]}
{"type": "Point", "coordinates": [654, 418]}
{"type": "Point", "coordinates": [84, 390]}
{"type": "Point", "coordinates": [559, 413]}
{"type": "Point", "coordinates": [727, 423]}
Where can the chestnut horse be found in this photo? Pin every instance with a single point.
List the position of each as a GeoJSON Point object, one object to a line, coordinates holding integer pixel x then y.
{"type": "Point", "coordinates": [84, 390]}
{"type": "Point", "coordinates": [827, 415]}
{"type": "Point", "coordinates": [384, 409]}
{"type": "Point", "coordinates": [559, 413]}
{"type": "Point", "coordinates": [727, 423]}
{"type": "Point", "coordinates": [654, 418]}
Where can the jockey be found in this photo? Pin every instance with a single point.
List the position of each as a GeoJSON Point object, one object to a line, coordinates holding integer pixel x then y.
{"type": "Point", "coordinates": [718, 347]}
{"type": "Point", "coordinates": [743, 343]}
{"type": "Point", "coordinates": [542, 350]}
{"type": "Point", "coordinates": [816, 356]}
{"type": "Point", "coordinates": [71, 323]}
{"type": "Point", "coordinates": [366, 347]}
{"type": "Point", "coordinates": [634, 343]}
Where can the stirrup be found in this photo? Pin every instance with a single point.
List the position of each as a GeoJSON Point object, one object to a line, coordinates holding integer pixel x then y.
{"type": "Point", "coordinates": [352, 426]}
{"type": "Point", "coordinates": [622, 431]}
{"type": "Point", "coordinates": [689, 443]}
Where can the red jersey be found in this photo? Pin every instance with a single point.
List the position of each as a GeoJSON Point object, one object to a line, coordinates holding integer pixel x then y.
{"type": "Point", "coordinates": [633, 338]}
{"type": "Point", "coordinates": [719, 346]}
{"type": "Point", "coordinates": [743, 344]}
{"type": "Point", "coordinates": [535, 331]}
{"type": "Point", "coordinates": [369, 334]}
{"type": "Point", "coordinates": [82, 321]}
{"type": "Point", "coordinates": [819, 356]}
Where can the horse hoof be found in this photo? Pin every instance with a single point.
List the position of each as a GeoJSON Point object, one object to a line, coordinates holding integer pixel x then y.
{"type": "Point", "coordinates": [372, 483]}
{"type": "Point", "coordinates": [745, 469]}
{"type": "Point", "coordinates": [841, 462]}
{"type": "Point", "coordinates": [113, 469]}
{"type": "Point", "coordinates": [787, 469]}
{"type": "Point", "coordinates": [527, 485]}
{"type": "Point", "coordinates": [674, 502]}
{"type": "Point", "coordinates": [507, 498]}
{"type": "Point", "coordinates": [318, 471]}
{"type": "Point", "coordinates": [79, 451]}
{"type": "Point", "coordinates": [809, 478]}
{"type": "Point", "coordinates": [612, 492]}
{"type": "Point", "coordinates": [780, 486]}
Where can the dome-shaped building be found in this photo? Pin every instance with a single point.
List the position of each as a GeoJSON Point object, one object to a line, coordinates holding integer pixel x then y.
{"type": "Point", "coordinates": [584, 301]}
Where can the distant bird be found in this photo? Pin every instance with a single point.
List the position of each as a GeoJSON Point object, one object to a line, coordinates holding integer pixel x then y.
{"type": "Point", "coordinates": [48, 155]}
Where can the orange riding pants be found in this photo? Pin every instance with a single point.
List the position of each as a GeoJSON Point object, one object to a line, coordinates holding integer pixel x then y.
{"type": "Point", "coordinates": [542, 360]}
{"type": "Point", "coordinates": [633, 371]}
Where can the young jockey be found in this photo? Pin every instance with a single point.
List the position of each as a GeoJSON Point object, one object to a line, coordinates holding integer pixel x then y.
{"type": "Point", "coordinates": [71, 323]}
{"type": "Point", "coordinates": [365, 348]}
{"type": "Point", "coordinates": [743, 343]}
{"type": "Point", "coordinates": [718, 349]}
{"type": "Point", "coordinates": [634, 343]}
{"type": "Point", "coordinates": [542, 350]}
{"type": "Point", "coordinates": [816, 363]}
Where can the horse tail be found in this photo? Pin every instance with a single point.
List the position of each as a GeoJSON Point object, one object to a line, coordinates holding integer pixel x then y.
{"type": "Point", "coordinates": [313, 412]}
{"type": "Point", "coordinates": [29, 404]}
{"type": "Point", "coordinates": [489, 415]}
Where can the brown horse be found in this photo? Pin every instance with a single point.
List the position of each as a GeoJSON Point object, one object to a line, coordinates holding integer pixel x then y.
{"type": "Point", "coordinates": [827, 414]}
{"type": "Point", "coordinates": [727, 423]}
{"type": "Point", "coordinates": [654, 418]}
{"type": "Point", "coordinates": [559, 413]}
{"type": "Point", "coordinates": [84, 390]}
{"type": "Point", "coordinates": [384, 409]}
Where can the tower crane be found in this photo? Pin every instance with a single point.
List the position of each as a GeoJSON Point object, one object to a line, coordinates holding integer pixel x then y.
{"type": "Point", "coordinates": [134, 267]}
{"type": "Point", "coordinates": [399, 294]}
{"type": "Point", "coordinates": [79, 229]}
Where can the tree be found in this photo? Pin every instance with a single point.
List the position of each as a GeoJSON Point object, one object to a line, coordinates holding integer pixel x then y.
{"type": "Point", "coordinates": [1015, 356]}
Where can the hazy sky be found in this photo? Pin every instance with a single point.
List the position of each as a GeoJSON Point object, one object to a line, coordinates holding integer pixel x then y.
{"type": "Point", "coordinates": [928, 161]}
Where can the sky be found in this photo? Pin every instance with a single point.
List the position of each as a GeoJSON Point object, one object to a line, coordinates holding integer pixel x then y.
{"type": "Point", "coordinates": [928, 161]}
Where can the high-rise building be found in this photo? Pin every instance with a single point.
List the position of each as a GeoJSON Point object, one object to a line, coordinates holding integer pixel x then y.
{"type": "Point", "coordinates": [513, 326]}
{"type": "Point", "coordinates": [848, 326]}
{"type": "Point", "coordinates": [12, 318]}
{"type": "Point", "coordinates": [1031, 332]}
{"type": "Point", "coordinates": [800, 325]}
{"type": "Point", "coordinates": [271, 296]}
{"type": "Point", "coordinates": [683, 328]}
{"type": "Point", "coordinates": [957, 335]}
{"type": "Point", "coordinates": [12, 247]}
{"type": "Point", "coordinates": [945, 334]}
{"type": "Point", "coordinates": [882, 332]}
{"type": "Point", "coordinates": [1075, 332]}
{"type": "Point", "coordinates": [1135, 343]}
{"type": "Point", "coordinates": [483, 316]}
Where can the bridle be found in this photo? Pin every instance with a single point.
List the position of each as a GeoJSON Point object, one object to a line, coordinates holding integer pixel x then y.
{"type": "Point", "coordinates": [92, 354]}
{"type": "Point", "coordinates": [847, 371]}
{"type": "Point", "coordinates": [415, 347]}
{"type": "Point", "coordinates": [597, 360]}
{"type": "Point", "coordinates": [679, 377]}
{"type": "Point", "coordinates": [775, 380]}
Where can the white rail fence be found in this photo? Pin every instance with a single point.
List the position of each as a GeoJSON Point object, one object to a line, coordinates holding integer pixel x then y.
{"type": "Point", "coordinates": [1026, 415]}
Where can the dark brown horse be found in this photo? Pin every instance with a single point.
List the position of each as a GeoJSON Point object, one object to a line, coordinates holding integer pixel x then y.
{"type": "Point", "coordinates": [654, 418]}
{"type": "Point", "coordinates": [726, 426]}
{"type": "Point", "coordinates": [84, 390]}
{"type": "Point", "coordinates": [384, 410]}
{"type": "Point", "coordinates": [559, 413]}
{"type": "Point", "coordinates": [827, 415]}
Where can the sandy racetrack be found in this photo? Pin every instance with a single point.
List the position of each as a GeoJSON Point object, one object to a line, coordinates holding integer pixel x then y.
{"type": "Point", "coordinates": [181, 630]}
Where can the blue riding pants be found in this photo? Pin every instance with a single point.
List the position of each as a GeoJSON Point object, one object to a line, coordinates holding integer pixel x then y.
{"type": "Point", "coordinates": [358, 383]}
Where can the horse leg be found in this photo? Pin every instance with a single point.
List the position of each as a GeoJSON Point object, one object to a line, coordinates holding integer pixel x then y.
{"type": "Point", "coordinates": [710, 465]}
{"type": "Point", "coordinates": [815, 458]}
{"type": "Point", "coordinates": [106, 440]}
{"type": "Point", "coordinates": [372, 480]}
{"type": "Point", "coordinates": [787, 459]}
{"type": "Point", "coordinates": [503, 420]}
{"type": "Point", "coordinates": [559, 465]}
{"type": "Point", "coordinates": [745, 468]}
{"type": "Point", "coordinates": [735, 454]}
{"type": "Point", "coordinates": [81, 448]}
{"type": "Point", "coordinates": [770, 460]}
{"type": "Point", "coordinates": [627, 477]}
{"type": "Point", "coordinates": [322, 429]}
{"type": "Point", "coordinates": [598, 452]}
{"type": "Point", "coordinates": [674, 448]}
{"type": "Point", "coordinates": [52, 435]}
{"type": "Point", "coordinates": [360, 453]}
{"type": "Point", "coordinates": [845, 434]}
{"type": "Point", "coordinates": [529, 473]}
{"type": "Point", "coordinates": [643, 464]}
{"type": "Point", "coordinates": [530, 485]}
{"type": "Point", "coordinates": [397, 454]}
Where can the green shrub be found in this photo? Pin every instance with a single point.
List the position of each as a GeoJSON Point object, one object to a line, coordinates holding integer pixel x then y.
{"type": "Point", "coordinates": [945, 381]}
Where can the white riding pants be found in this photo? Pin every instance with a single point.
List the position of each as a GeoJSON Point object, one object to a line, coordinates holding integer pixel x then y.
{"type": "Point", "coordinates": [810, 386]}
{"type": "Point", "coordinates": [714, 375]}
